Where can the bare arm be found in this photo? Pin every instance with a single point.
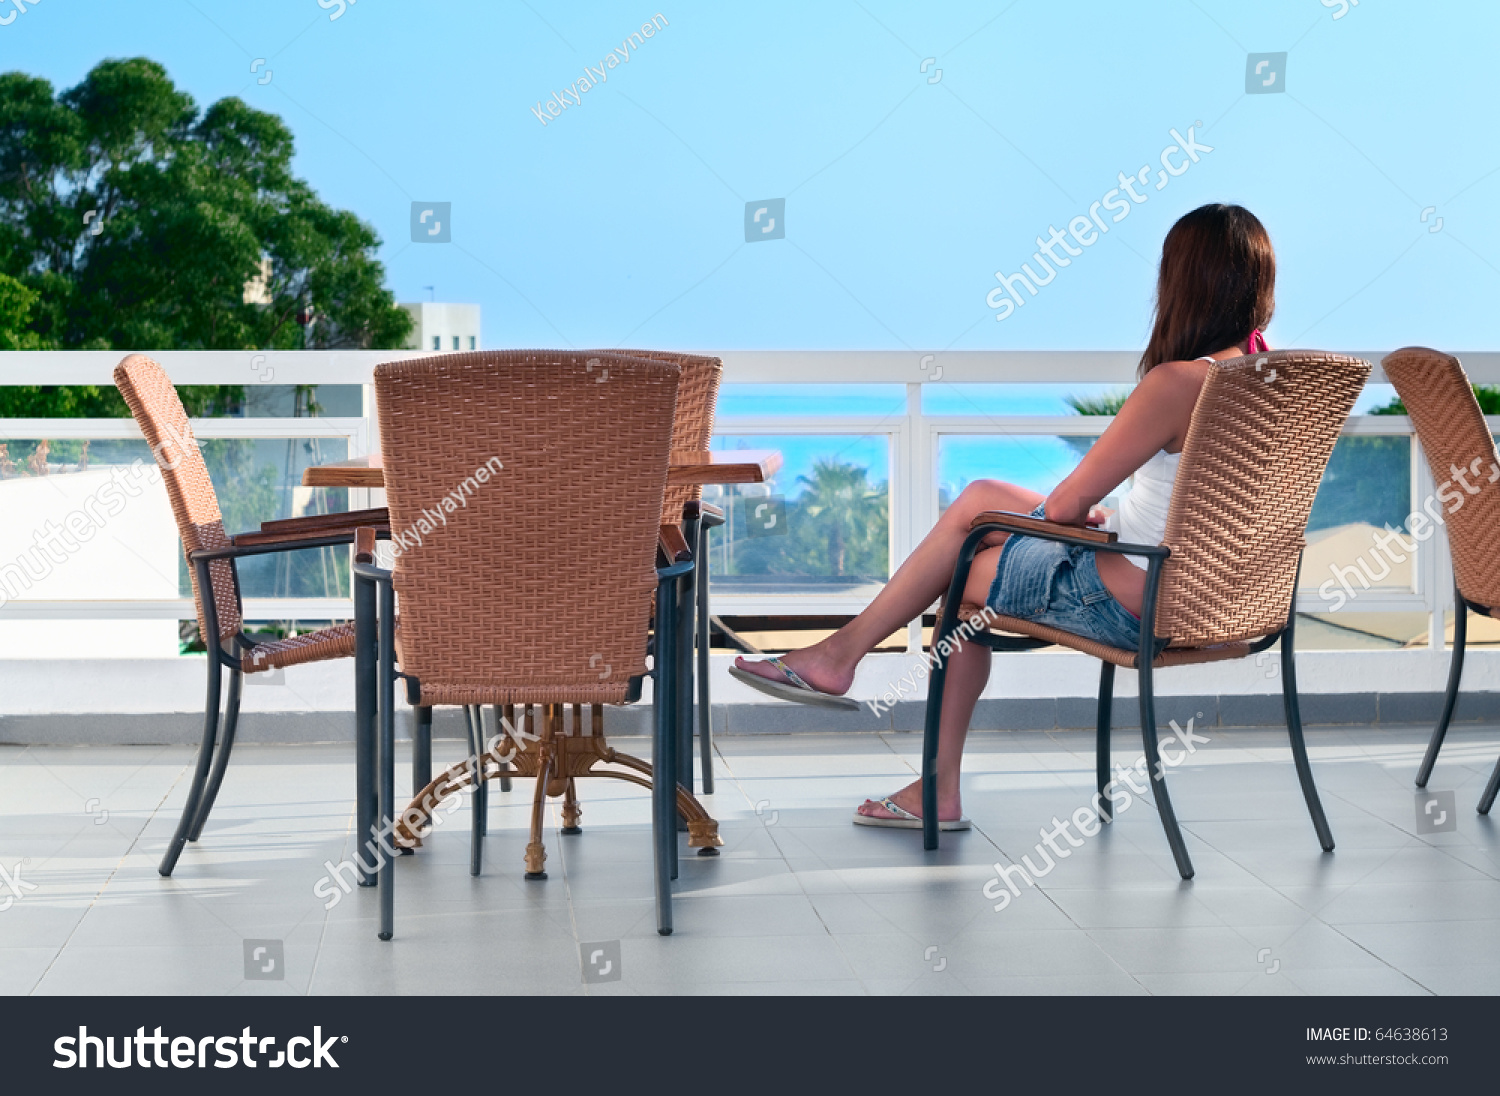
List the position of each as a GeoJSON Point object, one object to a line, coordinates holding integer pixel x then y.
{"type": "Point", "coordinates": [1155, 417]}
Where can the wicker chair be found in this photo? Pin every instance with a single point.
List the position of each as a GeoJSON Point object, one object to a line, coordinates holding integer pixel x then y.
{"type": "Point", "coordinates": [472, 593]}
{"type": "Point", "coordinates": [1223, 582]}
{"type": "Point", "coordinates": [682, 506]}
{"type": "Point", "coordinates": [212, 552]}
{"type": "Point", "coordinates": [1458, 445]}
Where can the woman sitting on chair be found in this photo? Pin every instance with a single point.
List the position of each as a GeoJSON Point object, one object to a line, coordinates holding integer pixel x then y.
{"type": "Point", "coordinates": [1215, 293]}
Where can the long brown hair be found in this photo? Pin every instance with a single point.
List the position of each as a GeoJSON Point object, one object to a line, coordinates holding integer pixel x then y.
{"type": "Point", "coordinates": [1217, 284]}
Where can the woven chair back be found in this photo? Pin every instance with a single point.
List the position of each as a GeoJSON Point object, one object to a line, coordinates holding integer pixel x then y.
{"type": "Point", "coordinates": [153, 400]}
{"type": "Point", "coordinates": [525, 497]}
{"type": "Point", "coordinates": [693, 428]}
{"type": "Point", "coordinates": [1259, 441]}
{"type": "Point", "coordinates": [1461, 454]}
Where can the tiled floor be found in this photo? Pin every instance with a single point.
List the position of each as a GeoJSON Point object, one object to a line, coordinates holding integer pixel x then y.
{"type": "Point", "coordinates": [800, 901]}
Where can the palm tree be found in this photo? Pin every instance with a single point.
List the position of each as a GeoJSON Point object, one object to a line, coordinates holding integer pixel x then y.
{"type": "Point", "coordinates": [838, 498]}
{"type": "Point", "coordinates": [1107, 404]}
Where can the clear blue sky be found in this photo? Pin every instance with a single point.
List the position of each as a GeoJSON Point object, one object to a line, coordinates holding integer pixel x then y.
{"type": "Point", "coordinates": [623, 219]}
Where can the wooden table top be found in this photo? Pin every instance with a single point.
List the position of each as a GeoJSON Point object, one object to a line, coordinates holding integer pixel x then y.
{"type": "Point", "coordinates": [724, 466]}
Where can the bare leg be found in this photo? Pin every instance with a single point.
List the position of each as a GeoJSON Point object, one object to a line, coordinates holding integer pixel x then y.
{"type": "Point", "coordinates": [925, 575]}
{"type": "Point", "coordinates": [968, 671]}
{"type": "Point", "coordinates": [917, 583]}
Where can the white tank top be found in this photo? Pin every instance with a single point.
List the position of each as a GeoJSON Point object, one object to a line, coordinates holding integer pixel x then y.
{"type": "Point", "coordinates": [1142, 516]}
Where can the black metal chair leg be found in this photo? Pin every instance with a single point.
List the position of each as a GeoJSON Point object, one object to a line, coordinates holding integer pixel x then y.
{"type": "Point", "coordinates": [663, 764]}
{"type": "Point", "coordinates": [1487, 800]}
{"type": "Point", "coordinates": [682, 651]}
{"type": "Point", "coordinates": [221, 760]}
{"type": "Point", "coordinates": [366, 674]}
{"type": "Point", "coordinates": [481, 788]}
{"type": "Point", "coordinates": [476, 797]}
{"type": "Point", "coordinates": [1455, 674]}
{"type": "Point", "coordinates": [386, 758]}
{"type": "Point", "coordinates": [421, 748]}
{"type": "Point", "coordinates": [705, 643]}
{"type": "Point", "coordinates": [946, 624]}
{"type": "Point", "coordinates": [200, 773]}
{"type": "Point", "coordinates": [1294, 729]}
{"type": "Point", "coordinates": [1157, 772]}
{"type": "Point", "coordinates": [505, 767]}
{"type": "Point", "coordinates": [1101, 745]}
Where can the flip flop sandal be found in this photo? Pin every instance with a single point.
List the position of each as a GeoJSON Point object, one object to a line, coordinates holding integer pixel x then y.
{"type": "Point", "coordinates": [905, 820]}
{"type": "Point", "coordinates": [793, 688]}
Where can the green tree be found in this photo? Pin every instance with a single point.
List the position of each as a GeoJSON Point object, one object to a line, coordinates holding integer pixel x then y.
{"type": "Point", "coordinates": [137, 222]}
{"type": "Point", "coordinates": [15, 316]}
{"type": "Point", "coordinates": [843, 518]}
{"type": "Point", "coordinates": [838, 527]}
{"type": "Point", "coordinates": [131, 220]}
{"type": "Point", "coordinates": [1109, 403]}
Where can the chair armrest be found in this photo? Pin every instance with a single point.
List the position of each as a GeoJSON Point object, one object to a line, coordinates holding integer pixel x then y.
{"type": "Point", "coordinates": [257, 544]}
{"type": "Point", "coordinates": [673, 570]}
{"type": "Point", "coordinates": [364, 544]}
{"type": "Point", "coordinates": [674, 545]}
{"type": "Point", "coordinates": [1004, 521]}
{"type": "Point", "coordinates": [368, 572]}
{"type": "Point", "coordinates": [1025, 523]}
{"type": "Point", "coordinates": [709, 516]}
{"type": "Point", "coordinates": [353, 519]}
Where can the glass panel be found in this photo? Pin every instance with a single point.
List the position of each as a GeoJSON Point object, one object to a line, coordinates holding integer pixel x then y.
{"type": "Point", "coordinates": [1365, 491]}
{"type": "Point", "coordinates": [1035, 461]}
{"type": "Point", "coordinates": [85, 520]}
{"type": "Point", "coordinates": [812, 399]}
{"type": "Point", "coordinates": [820, 526]}
{"type": "Point", "coordinates": [260, 480]}
{"type": "Point", "coordinates": [1480, 631]}
{"type": "Point", "coordinates": [276, 401]}
{"type": "Point", "coordinates": [1361, 631]}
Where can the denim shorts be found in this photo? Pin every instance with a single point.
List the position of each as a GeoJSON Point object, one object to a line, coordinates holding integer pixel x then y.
{"type": "Point", "coordinates": [1048, 582]}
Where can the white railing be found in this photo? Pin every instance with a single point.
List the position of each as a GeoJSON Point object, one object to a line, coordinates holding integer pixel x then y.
{"type": "Point", "coordinates": [913, 435]}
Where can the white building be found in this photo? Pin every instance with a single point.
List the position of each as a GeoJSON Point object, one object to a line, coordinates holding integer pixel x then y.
{"type": "Point", "coordinates": [445, 327]}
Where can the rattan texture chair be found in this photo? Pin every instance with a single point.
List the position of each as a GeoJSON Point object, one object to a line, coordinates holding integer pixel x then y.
{"type": "Point", "coordinates": [1459, 447]}
{"type": "Point", "coordinates": [683, 508]}
{"type": "Point", "coordinates": [1223, 582]}
{"type": "Point", "coordinates": [502, 604]}
{"type": "Point", "coordinates": [211, 554]}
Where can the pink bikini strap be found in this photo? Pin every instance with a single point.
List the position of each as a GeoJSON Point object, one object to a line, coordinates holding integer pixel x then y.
{"type": "Point", "coordinates": [1257, 343]}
